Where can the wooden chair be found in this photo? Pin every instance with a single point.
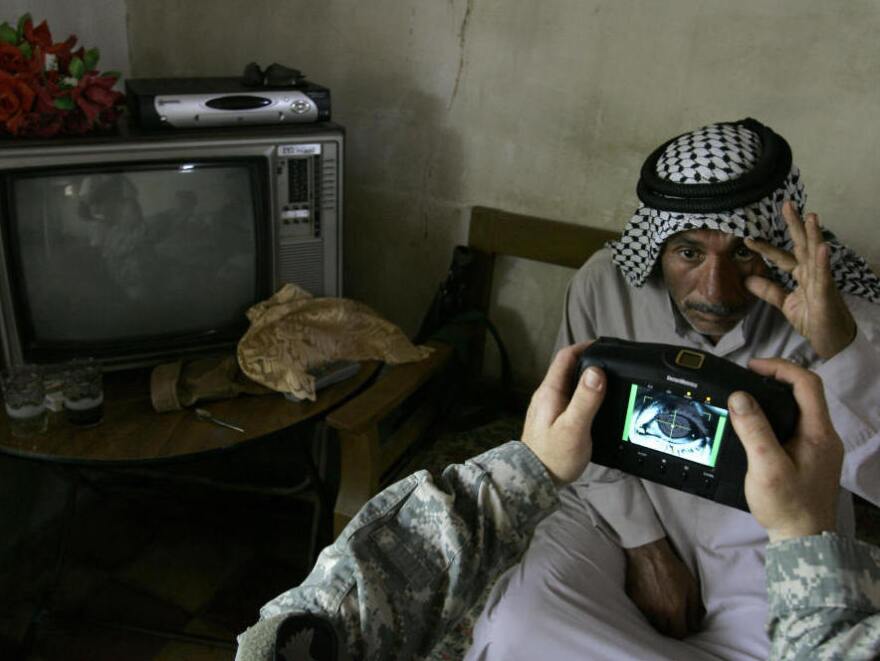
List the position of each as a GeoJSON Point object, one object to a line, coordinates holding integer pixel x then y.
{"type": "Point", "coordinates": [369, 457]}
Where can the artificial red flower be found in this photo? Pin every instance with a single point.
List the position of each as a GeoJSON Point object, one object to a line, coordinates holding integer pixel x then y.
{"type": "Point", "coordinates": [39, 36]}
{"type": "Point", "coordinates": [16, 99]}
{"type": "Point", "coordinates": [94, 94]}
{"type": "Point", "coordinates": [48, 88]}
{"type": "Point", "coordinates": [12, 60]}
{"type": "Point", "coordinates": [41, 125]}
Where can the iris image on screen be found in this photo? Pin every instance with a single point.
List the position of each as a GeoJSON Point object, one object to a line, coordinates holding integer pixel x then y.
{"type": "Point", "coordinates": [675, 425]}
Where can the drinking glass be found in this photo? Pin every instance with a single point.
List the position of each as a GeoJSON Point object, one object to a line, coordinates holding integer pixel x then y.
{"type": "Point", "coordinates": [83, 392]}
{"type": "Point", "coordinates": [24, 398]}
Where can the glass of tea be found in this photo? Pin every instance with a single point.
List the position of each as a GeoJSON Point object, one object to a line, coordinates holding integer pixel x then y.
{"type": "Point", "coordinates": [23, 396]}
{"type": "Point", "coordinates": [83, 392]}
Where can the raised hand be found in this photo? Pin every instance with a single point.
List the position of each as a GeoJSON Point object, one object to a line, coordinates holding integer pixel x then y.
{"type": "Point", "coordinates": [815, 308]}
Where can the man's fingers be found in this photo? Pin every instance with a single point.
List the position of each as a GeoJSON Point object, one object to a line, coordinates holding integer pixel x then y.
{"type": "Point", "coordinates": [783, 259]}
{"type": "Point", "coordinates": [766, 290]}
{"type": "Point", "coordinates": [678, 625]}
{"type": "Point", "coordinates": [814, 237]}
{"type": "Point", "coordinates": [824, 279]}
{"type": "Point", "coordinates": [694, 610]}
{"type": "Point", "coordinates": [795, 230]}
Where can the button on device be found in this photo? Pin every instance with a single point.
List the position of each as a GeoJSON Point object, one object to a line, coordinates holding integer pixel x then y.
{"type": "Point", "coordinates": [299, 106]}
{"type": "Point", "coordinates": [691, 359]}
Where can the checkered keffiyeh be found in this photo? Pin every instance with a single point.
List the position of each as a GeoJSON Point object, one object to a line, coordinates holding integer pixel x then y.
{"type": "Point", "coordinates": [717, 156]}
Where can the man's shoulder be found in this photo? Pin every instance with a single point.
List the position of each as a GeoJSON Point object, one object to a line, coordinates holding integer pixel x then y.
{"type": "Point", "coordinates": [600, 269]}
{"type": "Point", "coordinates": [601, 261]}
{"type": "Point", "coordinates": [600, 279]}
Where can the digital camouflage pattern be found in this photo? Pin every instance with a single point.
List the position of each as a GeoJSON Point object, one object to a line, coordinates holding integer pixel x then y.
{"type": "Point", "coordinates": [417, 556]}
{"type": "Point", "coordinates": [824, 594]}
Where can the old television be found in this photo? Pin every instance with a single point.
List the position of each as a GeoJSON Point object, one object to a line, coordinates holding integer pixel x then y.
{"type": "Point", "coordinates": [139, 248]}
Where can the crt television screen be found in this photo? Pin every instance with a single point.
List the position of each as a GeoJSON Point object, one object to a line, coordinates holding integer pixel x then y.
{"type": "Point", "coordinates": [678, 426]}
{"type": "Point", "coordinates": [143, 252]}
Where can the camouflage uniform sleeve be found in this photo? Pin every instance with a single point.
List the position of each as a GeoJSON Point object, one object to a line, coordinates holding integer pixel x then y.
{"type": "Point", "coordinates": [824, 594]}
{"type": "Point", "coordinates": [417, 556]}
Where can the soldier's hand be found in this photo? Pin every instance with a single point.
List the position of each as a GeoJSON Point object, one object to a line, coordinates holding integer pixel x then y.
{"type": "Point", "coordinates": [816, 307]}
{"type": "Point", "coordinates": [558, 422]}
{"type": "Point", "coordinates": [791, 489]}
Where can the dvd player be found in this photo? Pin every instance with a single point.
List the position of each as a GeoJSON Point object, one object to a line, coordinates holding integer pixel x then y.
{"type": "Point", "coordinates": [158, 103]}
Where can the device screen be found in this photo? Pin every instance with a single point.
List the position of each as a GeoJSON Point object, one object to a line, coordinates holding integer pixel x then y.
{"type": "Point", "coordinates": [675, 425]}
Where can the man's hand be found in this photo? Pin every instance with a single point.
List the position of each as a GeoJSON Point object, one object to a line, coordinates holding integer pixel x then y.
{"type": "Point", "coordinates": [661, 586]}
{"type": "Point", "coordinates": [558, 422]}
{"type": "Point", "coordinates": [815, 308]}
{"type": "Point", "coordinates": [791, 489]}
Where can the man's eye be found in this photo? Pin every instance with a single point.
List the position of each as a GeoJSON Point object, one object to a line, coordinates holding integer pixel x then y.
{"type": "Point", "coordinates": [688, 254]}
{"type": "Point", "coordinates": [743, 254]}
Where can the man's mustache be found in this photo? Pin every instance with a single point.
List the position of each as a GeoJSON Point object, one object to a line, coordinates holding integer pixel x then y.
{"type": "Point", "coordinates": [718, 309]}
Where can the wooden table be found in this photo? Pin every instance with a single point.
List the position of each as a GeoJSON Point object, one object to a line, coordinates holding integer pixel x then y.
{"type": "Point", "coordinates": [134, 440]}
{"type": "Point", "coordinates": [133, 433]}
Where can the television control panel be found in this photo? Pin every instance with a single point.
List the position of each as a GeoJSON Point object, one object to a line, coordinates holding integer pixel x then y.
{"type": "Point", "coordinates": [307, 176]}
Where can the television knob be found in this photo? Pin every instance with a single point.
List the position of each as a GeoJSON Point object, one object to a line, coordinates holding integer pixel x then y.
{"type": "Point", "coordinates": [299, 106]}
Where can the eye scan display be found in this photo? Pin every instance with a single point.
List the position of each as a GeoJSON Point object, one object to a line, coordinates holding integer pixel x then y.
{"type": "Point", "coordinates": [678, 426]}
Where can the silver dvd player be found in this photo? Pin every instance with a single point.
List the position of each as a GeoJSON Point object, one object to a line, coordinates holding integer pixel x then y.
{"type": "Point", "coordinates": [158, 103]}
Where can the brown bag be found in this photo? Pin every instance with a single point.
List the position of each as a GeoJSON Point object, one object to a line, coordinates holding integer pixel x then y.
{"type": "Point", "coordinates": [174, 386]}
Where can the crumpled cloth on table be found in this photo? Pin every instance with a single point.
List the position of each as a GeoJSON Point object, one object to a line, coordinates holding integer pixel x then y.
{"type": "Point", "coordinates": [292, 332]}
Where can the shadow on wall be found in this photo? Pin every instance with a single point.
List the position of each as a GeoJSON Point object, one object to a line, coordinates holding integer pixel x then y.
{"type": "Point", "coordinates": [403, 213]}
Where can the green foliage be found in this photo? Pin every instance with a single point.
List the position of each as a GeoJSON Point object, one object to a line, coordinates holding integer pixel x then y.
{"type": "Point", "coordinates": [76, 68]}
{"type": "Point", "coordinates": [8, 34]}
{"type": "Point", "coordinates": [90, 59]}
{"type": "Point", "coordinates": [63, 103]}
{"type": "Point", "coordinates": [21, 21]}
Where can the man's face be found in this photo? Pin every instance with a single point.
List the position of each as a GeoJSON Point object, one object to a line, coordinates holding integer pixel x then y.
{"type": "Point", "coordinates": [705, 272]}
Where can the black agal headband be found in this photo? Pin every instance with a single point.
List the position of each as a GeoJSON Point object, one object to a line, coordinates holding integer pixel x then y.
{"type": "Point", "coordinates": [705, 192]}
{"type": "Point", "coordinates": [732, 177]}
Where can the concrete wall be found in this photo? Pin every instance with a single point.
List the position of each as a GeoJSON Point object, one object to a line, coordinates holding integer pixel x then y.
{"type": "Point", "coordinates": [545, 108]}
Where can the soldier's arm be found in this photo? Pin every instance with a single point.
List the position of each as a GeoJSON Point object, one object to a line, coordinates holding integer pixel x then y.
{"type": "Point", "coordinates": [823, 589]}
{"type": "Point", "coordinates": [414, 559]}
{"type": "Point", "coordinates": [824, 593]}
{"type": "Point", "coordinates": [418, 555]}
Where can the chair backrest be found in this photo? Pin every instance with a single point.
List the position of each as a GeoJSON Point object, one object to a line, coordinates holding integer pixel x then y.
{"type": "Point", "coordinates": [497, 232]}
{"type": "Point", "coordinates": [494, 232]}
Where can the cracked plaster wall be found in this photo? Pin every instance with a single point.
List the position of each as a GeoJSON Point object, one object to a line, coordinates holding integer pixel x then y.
{"type": "Point", "coordinates": [545, 108]}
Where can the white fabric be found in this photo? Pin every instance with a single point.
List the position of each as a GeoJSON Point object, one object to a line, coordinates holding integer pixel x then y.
{"type": "Point", "coordinates": [566, 600]}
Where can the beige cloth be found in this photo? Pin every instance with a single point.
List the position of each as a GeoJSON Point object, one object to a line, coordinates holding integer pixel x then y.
{"type": "Point", "coordinates": [293, 332]}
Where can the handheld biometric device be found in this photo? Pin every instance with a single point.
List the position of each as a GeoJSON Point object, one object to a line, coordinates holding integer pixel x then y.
{"type": "Point", "coordinates": [664, 417]}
